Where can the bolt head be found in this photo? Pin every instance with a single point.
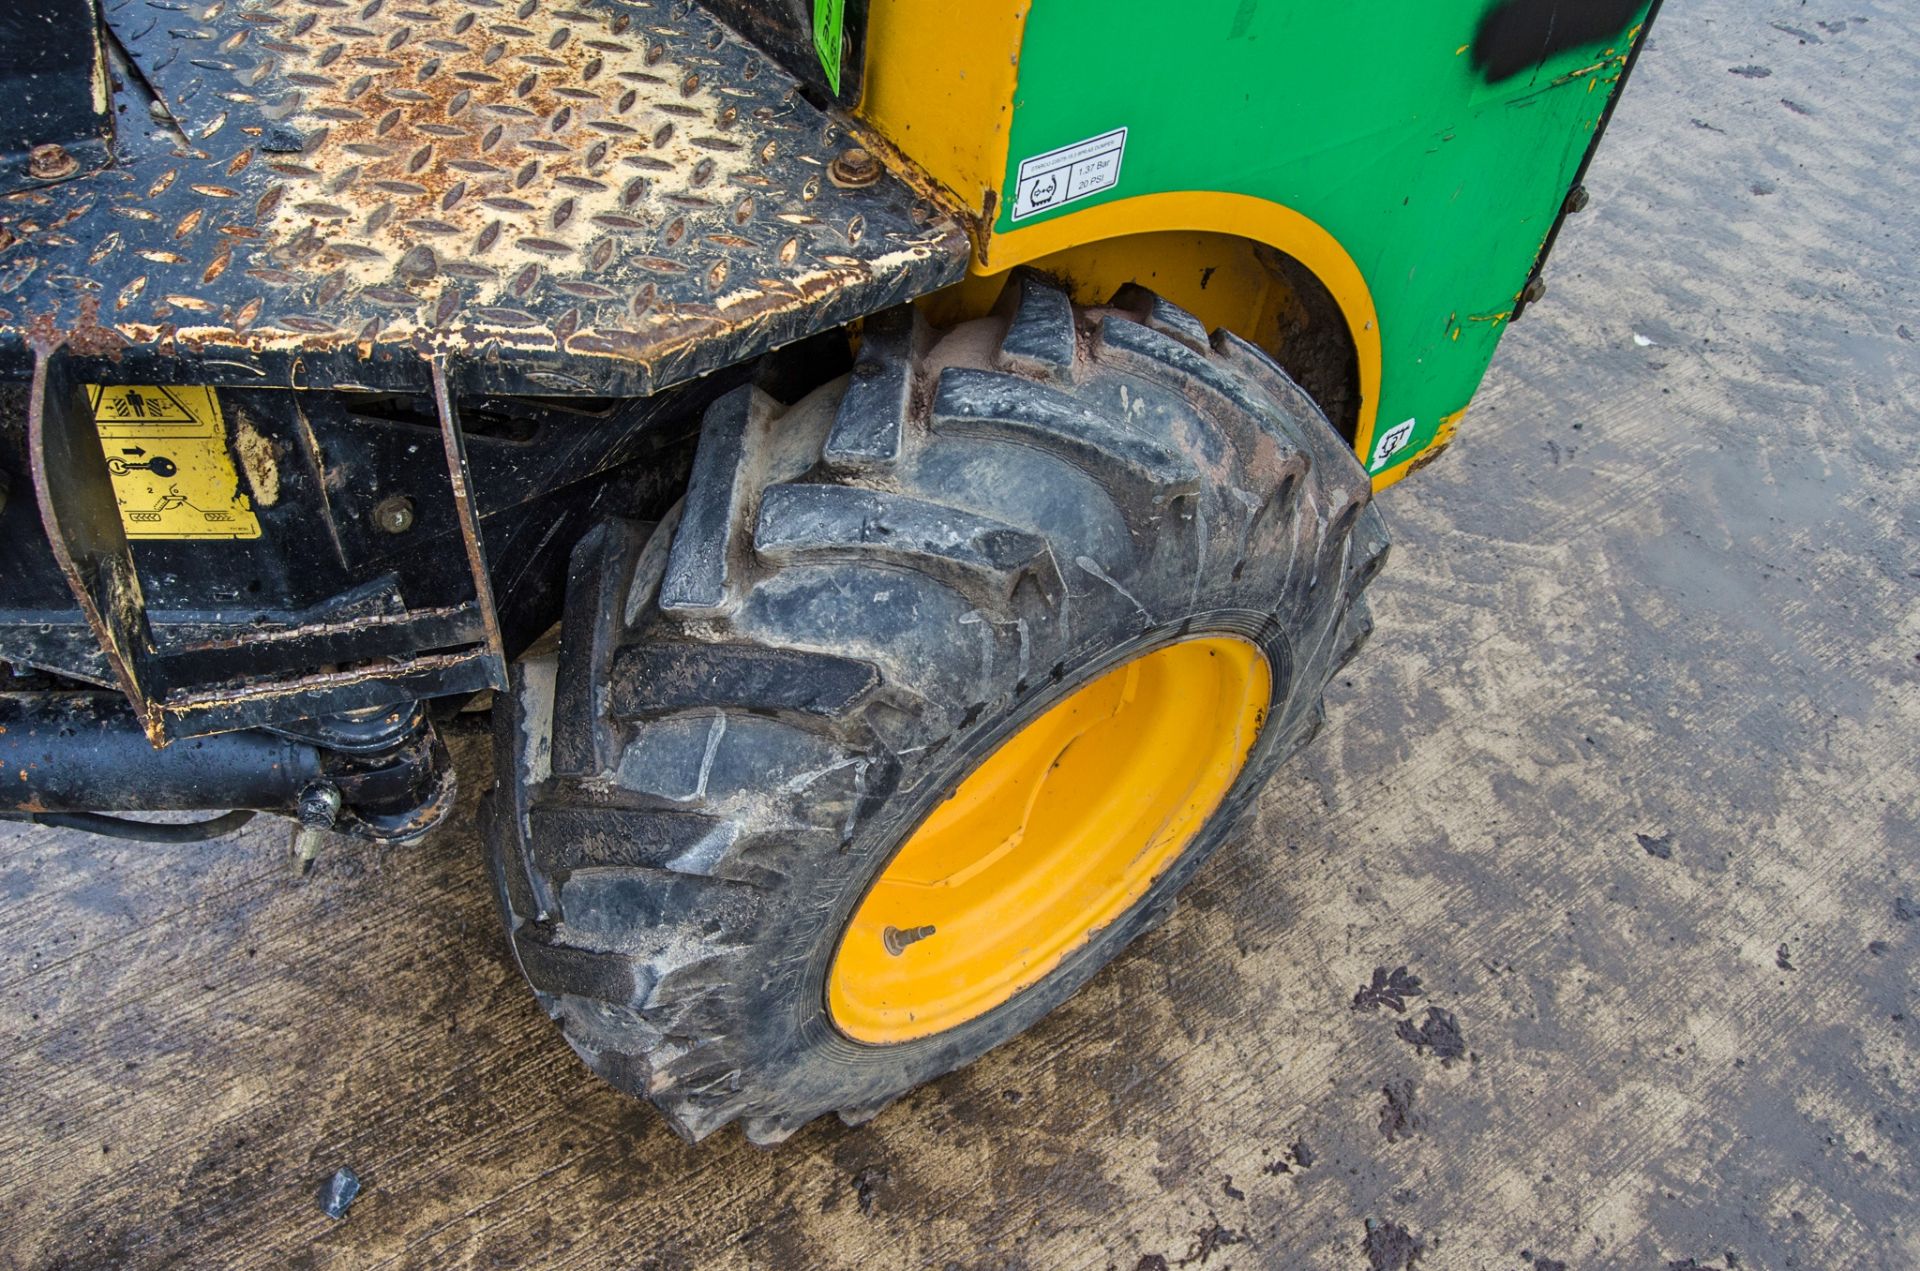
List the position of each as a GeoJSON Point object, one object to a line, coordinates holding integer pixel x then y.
{"type": "Point", "coordinates": [1535, 291]}
{"type": "Point", "coordinates": [854, 169]}
{"type": "Point", "coordinates": [50, 162]}
{"type": "Point", "coordinates": [319, 805]}
{"type": "Point", "coordinates": [394, 514]}
{"type": "Point", "coordinates": [1577, 199]}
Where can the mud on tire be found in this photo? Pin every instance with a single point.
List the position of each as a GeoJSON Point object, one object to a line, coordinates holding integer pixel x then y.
{"type": "Point", "coordinates": [754, 702]}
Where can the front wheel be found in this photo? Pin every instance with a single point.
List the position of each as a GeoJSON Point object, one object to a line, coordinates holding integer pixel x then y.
{"type": "Point", "coordinates": [925, 702]}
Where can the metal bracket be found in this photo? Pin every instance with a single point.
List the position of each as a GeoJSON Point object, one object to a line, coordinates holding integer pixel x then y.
{"type": "Point", "coordinates": [226, 685]}
{"type": "Point", "coordinates": [455, 443]}
{"type": "Point", "coordinates": [82, 521]}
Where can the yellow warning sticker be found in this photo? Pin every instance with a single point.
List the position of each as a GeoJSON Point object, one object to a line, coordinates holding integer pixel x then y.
{"type": "Point", "coordinates": [167, 453]}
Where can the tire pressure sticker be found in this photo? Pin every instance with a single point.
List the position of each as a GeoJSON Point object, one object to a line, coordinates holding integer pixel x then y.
{"type": "Point", "coordinates": [167, 457]}
{"type": "Point", "coordinates": [1072, 172]}
{"type": "Point", "coordinates": [1391, 443]}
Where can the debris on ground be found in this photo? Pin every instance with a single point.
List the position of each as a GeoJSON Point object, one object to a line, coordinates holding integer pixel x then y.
{"type": "Point", "coordinates": [864, 1183]}
{"type": "Point", "coordinates": [1389, 988]}
{"type": "Point", "coordinates": [1209, 1240]}
{"type": "Point", "coordinates": [1391, 1247]}
{"type": "Point", "coordinates": [1397, 1119]}
{"type": "Point", "coordinates": [1439, 1032]}
{"type": "Point", "coordinates": [337, 1193]}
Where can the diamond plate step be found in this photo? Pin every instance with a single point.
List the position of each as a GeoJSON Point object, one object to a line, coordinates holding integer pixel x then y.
{"type": "Point", "coordinates": [597, 196]}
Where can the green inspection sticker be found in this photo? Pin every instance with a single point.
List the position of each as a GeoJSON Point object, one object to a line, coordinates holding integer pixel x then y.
{"type": "Point", "coordinates": [828, 18]}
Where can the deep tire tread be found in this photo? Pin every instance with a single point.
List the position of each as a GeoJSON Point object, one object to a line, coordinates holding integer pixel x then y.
{"type": "Point", "coordinates": [1040, 340]}
{"type": "Point", "coordinates": [870, 424]}
{"type": "Point", "coordinates": [973, 403]}
{"type": "Point", "coordinates": [700, 562]}
{"type": "Point", "coordinates": [659, 679]}
{"type": "Point", "coordinates": [655, 958]}
{"type": "Point", "coordinates": [814, 522]}
{"type": "Point", "coordinates": [1159, 314]}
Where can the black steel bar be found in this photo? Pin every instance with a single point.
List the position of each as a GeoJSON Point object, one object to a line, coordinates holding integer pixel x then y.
{"type": "Point", "coordinates": [234, 658]}
{"type": "Point", "coordinates": [393, 683]}
{"type": "Point", "coordinates": [67, 752]}
{"type": "Point", "coordinates": [86, 752]}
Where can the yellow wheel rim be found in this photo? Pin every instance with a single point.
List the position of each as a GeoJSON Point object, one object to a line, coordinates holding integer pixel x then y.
{"type": "Point", "coordinates": [1057, 833]}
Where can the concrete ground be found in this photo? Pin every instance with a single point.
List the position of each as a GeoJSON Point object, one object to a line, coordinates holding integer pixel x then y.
{"type": "Point", "coordinates": [1627, 782]}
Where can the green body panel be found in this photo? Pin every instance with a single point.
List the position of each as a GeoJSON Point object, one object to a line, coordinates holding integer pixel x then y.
{"type": "Point", "coordinates": [1372, 120]}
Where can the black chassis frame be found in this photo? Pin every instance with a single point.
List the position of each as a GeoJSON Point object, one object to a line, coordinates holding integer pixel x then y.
{"type": "Point", "coordinates": [429, 479]}
{"type": "Point", "coordinates": [413, 547]}
{"type": "Point", "coordinates": [364, 550]}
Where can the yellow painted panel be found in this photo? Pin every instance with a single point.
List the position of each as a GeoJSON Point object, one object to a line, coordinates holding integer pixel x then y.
{"type": "Point", "coordinates": [939, 85]}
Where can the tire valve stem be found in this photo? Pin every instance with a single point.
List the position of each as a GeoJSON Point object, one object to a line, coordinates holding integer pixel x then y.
{"type": "Point", "coordinates": [897, 940]}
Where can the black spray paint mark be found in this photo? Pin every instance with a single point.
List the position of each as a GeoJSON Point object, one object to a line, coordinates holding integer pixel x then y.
{"type": "Point", "coordinates": [1517, 35]}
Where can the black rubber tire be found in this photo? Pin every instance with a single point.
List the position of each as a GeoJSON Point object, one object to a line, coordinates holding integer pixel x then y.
{"type": "Point", "coordinates": [752, 704]}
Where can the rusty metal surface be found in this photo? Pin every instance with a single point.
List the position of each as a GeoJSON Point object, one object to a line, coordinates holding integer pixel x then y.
{"type": "Point", "coordinates": [594, 196]}
{"type": "Point", "coordinates": [52, 68]}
